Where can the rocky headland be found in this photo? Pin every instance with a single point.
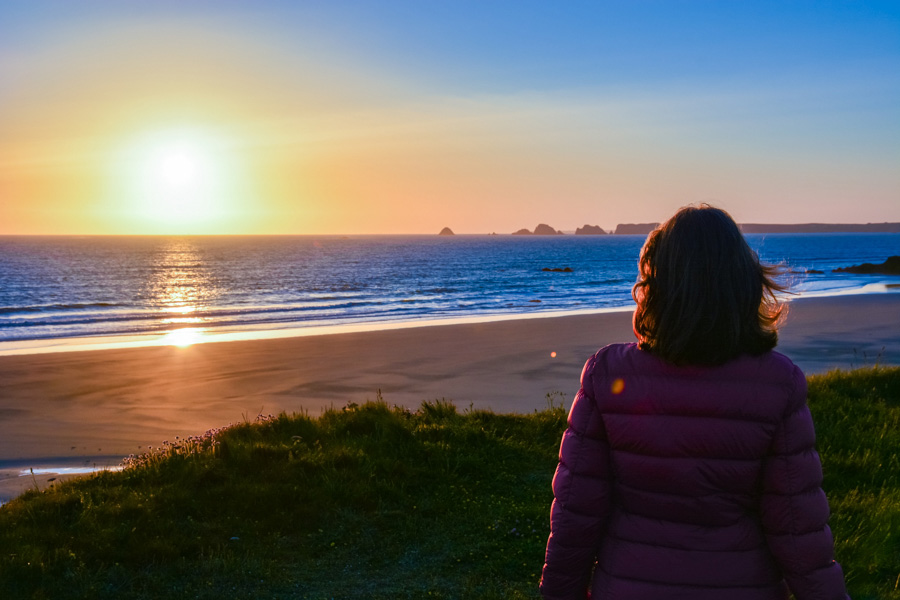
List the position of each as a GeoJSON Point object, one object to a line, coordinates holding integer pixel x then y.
{"type": "Point", "coordinates": [889, 267]}
{"type": "Point", "coordinates": [590, 230]}
{"type": "Point", "coordinates": [646, 228]}
{"type": "Point", "coordinates": [635, 228]}
{"type": "Point", "coordinates": [821, 228]}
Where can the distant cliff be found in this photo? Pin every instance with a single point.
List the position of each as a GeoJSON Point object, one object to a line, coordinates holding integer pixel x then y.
{"type": "Point", "coordinates": [635, 228]}
{"type": "Point", "coordinates": [645, 228]}
{"type": "Point", "coordinates": [822, 228]}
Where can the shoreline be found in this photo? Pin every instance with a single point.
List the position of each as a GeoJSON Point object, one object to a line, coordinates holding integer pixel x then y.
{"type": "Point", "coordinates": [87, 407]}
{"type": "Point", "coordinates": [191, 335]}
{"type": "Point", "coordinates": [201, 335]}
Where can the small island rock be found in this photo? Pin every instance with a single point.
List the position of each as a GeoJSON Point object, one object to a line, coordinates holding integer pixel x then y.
{"type": "Point", "coordinates": [590, 230]}
{"type": "Point", "coordinates": [446, 231]}
{"type": "Point", "coordinates": [889, 267]}
{"type": "Point", "coordinates": [544, 229]}
{"type": "Point", "coordinates": [522, 232]}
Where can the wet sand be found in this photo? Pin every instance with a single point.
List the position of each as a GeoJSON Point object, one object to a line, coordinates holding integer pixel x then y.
{"type": "Point", "coordinates": [90, 408]}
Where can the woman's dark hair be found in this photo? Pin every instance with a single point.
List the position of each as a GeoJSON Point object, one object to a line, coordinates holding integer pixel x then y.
{"type": "Point", "coordinates": [702, 295]}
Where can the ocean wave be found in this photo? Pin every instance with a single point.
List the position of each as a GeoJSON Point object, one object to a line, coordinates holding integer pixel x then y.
{"type": "Point", "coordinates": [65, 287]}
{"type": "Point", "coordinates": [612, 281]}
{"type": "Point", "coordinates": [10, 310]}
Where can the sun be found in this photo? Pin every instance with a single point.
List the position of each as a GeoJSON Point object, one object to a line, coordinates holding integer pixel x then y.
{"type": "Point", "coordinates": [179, 168]}
{"type": "Point", "coordinates": [181, 180]}
{"type": "Point", "coordinates": [176, 181]}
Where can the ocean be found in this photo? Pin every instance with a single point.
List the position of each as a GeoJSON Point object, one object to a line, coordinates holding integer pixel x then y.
{"type": "Point", "coordinates": [64, 288]}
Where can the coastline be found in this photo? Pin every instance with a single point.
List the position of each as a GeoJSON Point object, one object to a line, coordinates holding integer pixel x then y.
{"type": "Point", "coordinates": [199, 334]}
{"type": "Point", "coordinates": [71, 408]}
{"type": "Point", "coordinates": [188, 336]}
{"type": "Point", "coordinates": [156, 290]}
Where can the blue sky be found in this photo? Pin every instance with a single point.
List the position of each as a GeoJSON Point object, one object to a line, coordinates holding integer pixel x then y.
{"type": "Point", "coordinates": [779, 111]}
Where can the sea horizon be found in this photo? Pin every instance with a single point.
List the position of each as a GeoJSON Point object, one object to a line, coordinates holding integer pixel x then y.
{"type": "Point", "coordinates": [60, 293]}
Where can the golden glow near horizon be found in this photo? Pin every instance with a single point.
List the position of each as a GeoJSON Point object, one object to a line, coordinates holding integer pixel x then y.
{"type": "Point", "coordinates": [174, 181]}
{"type": "Point", "coordinates": [289, 118]}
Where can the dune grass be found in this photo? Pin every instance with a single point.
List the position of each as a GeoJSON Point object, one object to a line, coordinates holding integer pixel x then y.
{"type": "Point", "coordinates": [376, 501]}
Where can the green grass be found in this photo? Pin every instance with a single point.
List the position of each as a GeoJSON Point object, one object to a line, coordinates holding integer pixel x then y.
{"type": "Point", "coordinates": [857, 415]}
{"type": "Point", "coordinates": [379, 502]}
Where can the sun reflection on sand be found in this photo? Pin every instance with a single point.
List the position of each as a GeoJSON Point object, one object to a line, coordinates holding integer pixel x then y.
{"type": "Point", "coordinates": [182, 337]}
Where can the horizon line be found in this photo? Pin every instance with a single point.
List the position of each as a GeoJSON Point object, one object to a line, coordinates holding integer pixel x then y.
{"type": "Point", "coordinates": [651, 225]}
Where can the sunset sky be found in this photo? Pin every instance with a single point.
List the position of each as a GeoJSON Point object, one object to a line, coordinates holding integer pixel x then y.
{"type": "Point", "coordinates": [404, 117]}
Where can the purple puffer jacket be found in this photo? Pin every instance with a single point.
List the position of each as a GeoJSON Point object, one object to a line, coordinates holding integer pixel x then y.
{"type": "Point", "coordinates": [689, 482]}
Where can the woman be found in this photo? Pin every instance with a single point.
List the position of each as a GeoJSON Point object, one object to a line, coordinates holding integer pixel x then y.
{"type": "Point", "coordinates": [688, 469]}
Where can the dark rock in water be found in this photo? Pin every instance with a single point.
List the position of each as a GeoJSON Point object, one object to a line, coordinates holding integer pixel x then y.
{"type": "Point", "coordinates": [544, 229]}
{"type": "Point", "coordinates": [446, 231]}
{"type": "Point", "coordinates": [558, 270]}
{"type": "Point", "coordinates": [806, 272]}
{"type": "Point", "coordinates": [635, 228]}
{"type": "Point", "coordinates": [534, 300]}
{"type": "Point", "coordinates": [522, 232]}
{"type": "Point", "coordinates": [590, 230]}
{"type": "Point", "coordinates": [889, 267]}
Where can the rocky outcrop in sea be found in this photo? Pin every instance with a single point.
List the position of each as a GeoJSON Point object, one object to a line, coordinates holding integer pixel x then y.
{"type": "Point", "coordinates": [541, 229]}
{"type": "Point", "coordinates": [889, 267]}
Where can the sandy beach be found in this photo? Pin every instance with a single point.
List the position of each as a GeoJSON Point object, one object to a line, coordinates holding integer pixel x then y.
{"type": "Point", "coordinates": [80, 409]}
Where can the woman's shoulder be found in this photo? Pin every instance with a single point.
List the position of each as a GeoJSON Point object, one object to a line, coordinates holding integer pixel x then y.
{"type": "Point", "coordinates": [763, 387]}
{"type": "Point", "coordinates": [769, 368]}
{"type": "Point", "coordinates": [621, 359]}
{"type": "Point", "coordinates": [628, 358]}
{"type": "Point", "coordinates": [615, 355]}
{"type": "Point", "coordinates": [622, 351]}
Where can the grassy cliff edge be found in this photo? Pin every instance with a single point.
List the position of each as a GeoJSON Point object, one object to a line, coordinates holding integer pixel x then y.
{"type": "Point", "coordinates": [380, 502]}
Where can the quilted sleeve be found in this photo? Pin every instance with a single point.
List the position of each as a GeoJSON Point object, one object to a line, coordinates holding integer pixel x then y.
{"type": "Point", "coordinates": [581, 489]}
{"type": "Point", "coordinates": [794, 509]}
